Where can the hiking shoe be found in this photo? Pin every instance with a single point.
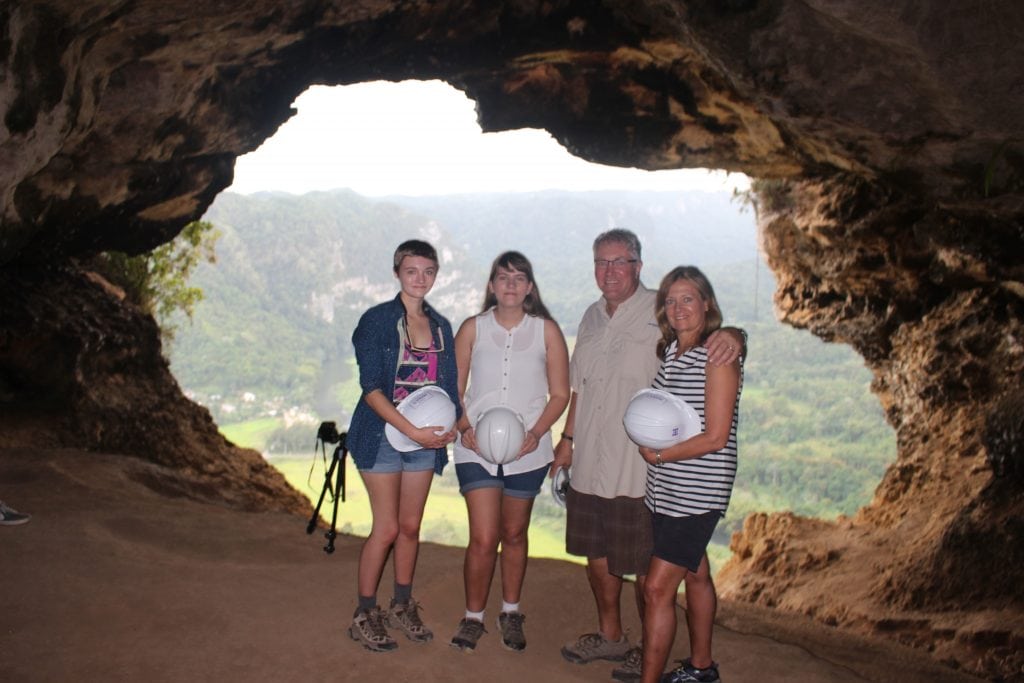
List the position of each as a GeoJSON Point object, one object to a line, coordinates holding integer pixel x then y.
{"type": "Point", "coordinates": [511, 626]}
{"type": "Point", "coordinates": [688, 673]}
{"type": "Point", "coordinates": [406, 617]}
{"type": "Point", "coordinates": [591, 646]}
{"type": "Point", "coordinates": [11, 517]}
{"type": "Point", "coordinates": [368, 630]}
{"type": "Point", "coordinates": [631, 666]}
{"type": "Point", "coordinates": [469, 632]}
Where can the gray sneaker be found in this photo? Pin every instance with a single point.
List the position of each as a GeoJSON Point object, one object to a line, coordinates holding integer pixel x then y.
{"type": "Point", "coordinates": [468, 633]}
{"type": "Point", "coordinates": [11, 517]}
{"type": "Point", "coordinates": [631, 667]}
{"type": "Point", "coordinates": [592, 646]}
{"type": "Point", "coordinates": [406, 617]}
{"type": "Point", "coordinates": [368, 630]}
{"type": "Point", "coordinates": [511, 626]}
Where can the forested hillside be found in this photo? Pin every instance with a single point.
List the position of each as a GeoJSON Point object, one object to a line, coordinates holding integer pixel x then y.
{"type": "Point", "coordinates": [270, 342]}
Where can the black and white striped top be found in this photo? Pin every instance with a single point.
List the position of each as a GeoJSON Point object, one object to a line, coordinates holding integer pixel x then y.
{"type": "Point", "coordinates": [698, 485]}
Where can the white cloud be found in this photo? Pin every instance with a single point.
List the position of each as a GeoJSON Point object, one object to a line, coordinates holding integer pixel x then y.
{"type": "Point", "coordinates": [422, 138]}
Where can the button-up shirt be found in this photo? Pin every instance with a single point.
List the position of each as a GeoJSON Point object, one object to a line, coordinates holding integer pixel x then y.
{"type": "Point", "coordinates": [613, 359]}
{"type": "Point", "coordinates": [377, 343]}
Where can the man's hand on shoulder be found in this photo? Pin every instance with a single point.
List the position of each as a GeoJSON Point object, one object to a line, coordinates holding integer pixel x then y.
{"type": "Point", "coordinates": [725, 345]}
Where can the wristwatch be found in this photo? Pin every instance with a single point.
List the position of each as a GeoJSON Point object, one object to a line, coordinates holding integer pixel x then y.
{"type": "Point", "coordinates": [657, 458]}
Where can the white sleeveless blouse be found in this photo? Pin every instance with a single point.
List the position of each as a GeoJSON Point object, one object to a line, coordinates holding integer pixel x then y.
{"type": "Point", "coordinates": [509, 368]}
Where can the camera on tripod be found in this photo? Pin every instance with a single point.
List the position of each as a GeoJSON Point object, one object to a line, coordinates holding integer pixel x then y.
{"type": "Point", "coordinates": [334, 478]}
{"type": "Point", "coordinates": [328, 433]}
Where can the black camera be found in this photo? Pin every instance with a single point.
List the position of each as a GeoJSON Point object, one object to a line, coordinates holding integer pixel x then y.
{"type": "Point", "coordinates": [328, 433]}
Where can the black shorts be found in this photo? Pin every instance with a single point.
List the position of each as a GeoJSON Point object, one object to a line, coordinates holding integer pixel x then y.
{"type": "Point", "coordinates": [683, 540]}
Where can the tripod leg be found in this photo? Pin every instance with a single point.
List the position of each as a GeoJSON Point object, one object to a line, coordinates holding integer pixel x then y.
{"type": "Point", "coordinates": [339, 462]}
{"type": "Point", "coordinates": [323, 492]}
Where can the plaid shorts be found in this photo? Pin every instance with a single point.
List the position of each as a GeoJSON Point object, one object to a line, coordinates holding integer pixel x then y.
{"type": "Point", "coordinates": [618, 529]}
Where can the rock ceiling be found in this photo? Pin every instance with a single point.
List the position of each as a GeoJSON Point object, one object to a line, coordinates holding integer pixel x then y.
{"type": "Point", "coordinates": [887, 138]}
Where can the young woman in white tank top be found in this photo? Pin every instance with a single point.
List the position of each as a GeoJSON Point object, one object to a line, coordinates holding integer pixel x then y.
{"type": "Point", "coordinates": [512, 354]}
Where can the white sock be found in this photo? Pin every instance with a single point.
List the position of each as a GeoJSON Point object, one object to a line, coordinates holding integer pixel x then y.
{"type": "Point", "coordinates": [509, 606]}
{"type": "Point", "coordinates": [479, 616]}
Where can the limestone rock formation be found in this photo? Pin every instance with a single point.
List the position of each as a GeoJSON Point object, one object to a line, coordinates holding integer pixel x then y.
{"type": "Point", "coordinates": [888, 142]}
{"type": "Point", "coordinates": [83, 368]}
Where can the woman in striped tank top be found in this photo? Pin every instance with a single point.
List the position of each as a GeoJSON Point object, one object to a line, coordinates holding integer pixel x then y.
{"type": "Point", "coordinates": [688, 484]}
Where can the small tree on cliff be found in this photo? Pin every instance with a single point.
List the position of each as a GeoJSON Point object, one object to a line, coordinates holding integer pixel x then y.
{"type": "Point", "coordinates": [158, 281]}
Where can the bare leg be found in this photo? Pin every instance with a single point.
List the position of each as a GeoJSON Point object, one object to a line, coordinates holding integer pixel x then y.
{"type": "Point", "coordinates": [638, 589]}
{"type": "Point", "coordinates": [701, 606]}
{"type": "Point", "coordinates": [412, 499]}
{"type": "Point", "coordinates": [515, 524]}
{"type": "Point", "coordinates": [607, 589]}
{"type": "Point", "coordinates": [484, 507]}
{"type": "Point", "coordinates": [383, 491]}
{"type": "Point", "coordinates": [660, 590]}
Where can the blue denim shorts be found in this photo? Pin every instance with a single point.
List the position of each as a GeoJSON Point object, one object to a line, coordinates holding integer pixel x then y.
{"type": "Point", "coordinates": [389, 461]}
{"type": "Point", "coordinates": [525, 485]}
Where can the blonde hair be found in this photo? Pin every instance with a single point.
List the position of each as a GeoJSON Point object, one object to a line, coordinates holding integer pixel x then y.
{"type": "Point", "coordinates": [713, 317]}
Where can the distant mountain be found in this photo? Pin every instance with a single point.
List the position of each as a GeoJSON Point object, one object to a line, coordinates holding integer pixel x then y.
{"type": "Point", "coordinates": [556, 229]}
{"type": "Point", "coordinates": [292, 277]}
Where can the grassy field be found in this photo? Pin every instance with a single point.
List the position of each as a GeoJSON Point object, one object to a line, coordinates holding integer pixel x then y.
{"type": "Point", "coordinates": [444, 520]}
{"type": "Point", "coordinates": [253, 433]}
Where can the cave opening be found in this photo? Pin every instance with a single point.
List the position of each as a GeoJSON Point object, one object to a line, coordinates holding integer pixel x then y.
{"type": "Point", "coordinates": [814, 439]}
{"type": "Point", "coordinates": [897, 158]}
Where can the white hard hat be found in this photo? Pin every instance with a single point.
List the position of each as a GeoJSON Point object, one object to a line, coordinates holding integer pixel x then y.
{"type": "Point", "coordinates": [425, 407]}
{"type": "Point", "coordinates": [657, 419]}
{"type": "Point", "coordinates": [499, 434]}
{"type": "Point", "coordinates": [560, 485]}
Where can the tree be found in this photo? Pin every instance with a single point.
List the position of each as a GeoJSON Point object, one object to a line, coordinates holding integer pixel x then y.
{"type": "Point", "coordinates": [157, 282]}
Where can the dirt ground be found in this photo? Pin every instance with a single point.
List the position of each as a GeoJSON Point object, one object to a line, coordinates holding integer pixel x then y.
{"type": "Point", "coordinates": [113, 580]}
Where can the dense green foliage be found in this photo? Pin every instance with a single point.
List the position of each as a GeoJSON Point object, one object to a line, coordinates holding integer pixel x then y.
{"type": "Point", "coordinates": [812, 437]}
{"type": "Point", "coordinates": [158, 281]}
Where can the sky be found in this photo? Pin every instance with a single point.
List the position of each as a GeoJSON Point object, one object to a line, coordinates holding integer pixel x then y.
{"type": "Point", "coordinates": [422, 138]}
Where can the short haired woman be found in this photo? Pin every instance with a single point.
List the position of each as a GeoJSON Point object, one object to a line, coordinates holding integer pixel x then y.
{"type": "Point", "coordinates": [401, 345]}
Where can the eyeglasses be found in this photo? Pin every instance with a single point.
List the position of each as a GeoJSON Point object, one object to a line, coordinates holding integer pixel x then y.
{"type": "Point", "coordinates": [436, 342]}
{"type": "Point", "coordinates": [613, 263]}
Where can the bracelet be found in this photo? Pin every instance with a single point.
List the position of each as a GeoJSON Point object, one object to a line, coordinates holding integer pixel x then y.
{"type": "Point", "coordinates": [657, 458]}
{"type": "Point", "coordinates": [567, 437]}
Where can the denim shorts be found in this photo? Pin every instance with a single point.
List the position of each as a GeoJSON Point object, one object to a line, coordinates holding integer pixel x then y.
{"type": "Point", "coordinates": [390, 461]}
{"type": "Point", "coordinates": [525, 485]}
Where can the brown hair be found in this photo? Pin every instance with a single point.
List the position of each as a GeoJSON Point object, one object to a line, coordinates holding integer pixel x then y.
{"type": "Point", "coordinates": [513, 260]}
{"type": "Point", "coordinates": [415, 248]}
{"type": "Point", "coordinates": [713, 317]}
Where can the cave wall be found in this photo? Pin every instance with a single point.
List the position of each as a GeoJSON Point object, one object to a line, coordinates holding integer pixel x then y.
{"type": "Point", "coordinates": [886, 137]}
